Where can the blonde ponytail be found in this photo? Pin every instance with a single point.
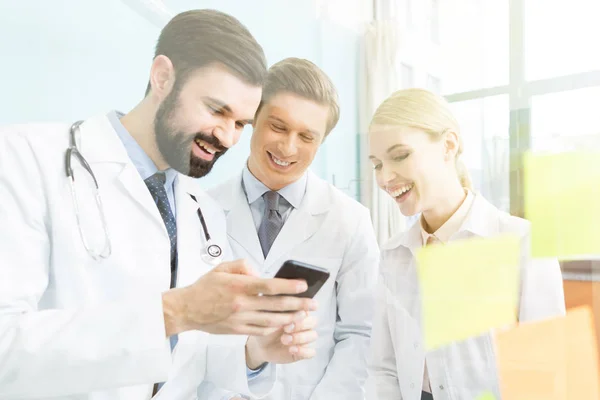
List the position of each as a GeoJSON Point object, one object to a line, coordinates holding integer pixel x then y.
{"type": "Point", "coordinates": [463, 175]}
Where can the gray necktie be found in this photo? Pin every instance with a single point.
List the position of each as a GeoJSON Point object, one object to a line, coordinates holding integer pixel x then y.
{"type": "Point", "coordinates": [271, 223]}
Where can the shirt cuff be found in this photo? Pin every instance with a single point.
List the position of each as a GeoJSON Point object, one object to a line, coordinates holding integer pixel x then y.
{"type": "Point", "coordinates": [262, 384]}
{"type": "Point", "coordinates": [253, 373]}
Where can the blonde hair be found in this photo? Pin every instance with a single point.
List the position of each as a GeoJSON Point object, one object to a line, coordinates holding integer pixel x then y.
{"type": "Point", "coordinates": [303, 78]}
{"type": "Point", "coordinates": [426, 111]}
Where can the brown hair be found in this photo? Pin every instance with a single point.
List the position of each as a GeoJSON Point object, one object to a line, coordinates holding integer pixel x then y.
{"type": "Point", "coordinates": [196, 38]}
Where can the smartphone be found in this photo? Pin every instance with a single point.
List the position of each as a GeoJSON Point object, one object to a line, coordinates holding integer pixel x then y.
{"type": "Point", "coordinates": [314, 276]}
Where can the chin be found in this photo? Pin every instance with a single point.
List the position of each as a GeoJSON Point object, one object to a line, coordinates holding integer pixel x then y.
{"type": "Point", "coordinates": [408, 213]}
{"type": "Point", "coordinates": [409, 210]}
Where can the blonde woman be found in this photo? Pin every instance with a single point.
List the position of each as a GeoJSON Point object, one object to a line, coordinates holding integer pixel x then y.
{"type": "Point", "coordinates": [415, 148]}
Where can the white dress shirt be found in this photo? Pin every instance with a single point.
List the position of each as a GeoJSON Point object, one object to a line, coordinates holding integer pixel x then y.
{"type": "Point", "coordinates": [460, 370]}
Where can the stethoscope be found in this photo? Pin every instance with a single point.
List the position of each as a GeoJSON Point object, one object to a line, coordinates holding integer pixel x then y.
{"type": "Point", "coordinates": [212, 252]}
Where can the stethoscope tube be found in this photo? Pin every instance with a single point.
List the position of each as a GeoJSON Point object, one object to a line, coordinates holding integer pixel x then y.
{"type": "Point", "coordinates": [73, 151]}
{"type": "Point", "coordinates": [212, 252]}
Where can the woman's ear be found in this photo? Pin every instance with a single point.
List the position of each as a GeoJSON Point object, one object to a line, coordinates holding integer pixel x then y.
{"type": "Point", "coordinates": [451, 144]}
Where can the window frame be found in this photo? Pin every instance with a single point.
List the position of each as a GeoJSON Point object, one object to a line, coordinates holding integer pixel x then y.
{"type": "Point", "coordinates": [520, 92]}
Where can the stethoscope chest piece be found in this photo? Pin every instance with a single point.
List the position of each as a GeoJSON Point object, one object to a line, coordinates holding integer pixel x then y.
{"type": "Point", "coordinates": [212, 252]}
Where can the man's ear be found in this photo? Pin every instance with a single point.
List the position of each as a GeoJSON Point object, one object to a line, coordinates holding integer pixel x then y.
{"type": "Point", "coordinates": [162, 76]}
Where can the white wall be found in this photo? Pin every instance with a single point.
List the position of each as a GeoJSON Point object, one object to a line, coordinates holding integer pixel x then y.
{"type": "Point", "coordinates": [68, 59]}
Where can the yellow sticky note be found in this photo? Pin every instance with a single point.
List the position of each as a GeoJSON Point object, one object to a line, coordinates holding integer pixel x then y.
{"type": "Point", "coordinates": [468, 287]}
{"type": "Point", "coordinates": [553, 359]}
{"type": "Point", "coordinates": [486, 396]}
{"type": "Point", "coordinates": [562, 201]}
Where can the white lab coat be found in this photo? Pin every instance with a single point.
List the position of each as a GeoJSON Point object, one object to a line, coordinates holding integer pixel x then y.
{"type": "Point", "coordinates": [72, 327]}
{"type": "Point", "coordinates": [333, 231]}
{"type": "Point", "coordinates": [462, 370]}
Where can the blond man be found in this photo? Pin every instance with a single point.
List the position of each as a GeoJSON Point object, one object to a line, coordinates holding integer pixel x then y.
{"type": "Point", "coordinates": [277, 209]}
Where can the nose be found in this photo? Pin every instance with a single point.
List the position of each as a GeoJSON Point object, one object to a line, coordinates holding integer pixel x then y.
{"type": "Point", "coordinates": [287, 145]}
{"type": "Point", "coordinates": [385, 176]}
{"type": "Point", "coordinates": [226, 133]}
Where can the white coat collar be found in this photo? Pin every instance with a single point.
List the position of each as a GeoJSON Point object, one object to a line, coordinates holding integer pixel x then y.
{"type": "Point", "coordinates": [483, 220]}
{"type": "Point", "coordinates": [101, 146]}
{"type": "Point", "coordinates": [99, 143]}
{"type": "Point", "coordinates": [317, 198]}
{"type": "Point", "coordinates": [301, 224]}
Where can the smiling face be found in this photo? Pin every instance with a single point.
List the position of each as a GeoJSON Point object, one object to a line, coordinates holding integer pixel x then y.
{"type": "Point", "coordinates": [411, 166]}
{"type": "Point", "coordinates": [288, 131]}
{"type": "Point", "coordinates": [203, 117]}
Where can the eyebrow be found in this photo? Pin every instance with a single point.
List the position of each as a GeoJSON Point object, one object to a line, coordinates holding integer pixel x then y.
{"type": "Point", "coordinates": [285, 123]}
{"type": "Point", "coordinates": [392, 148]}
{"type": "Point", "coordinates": [223, 106]}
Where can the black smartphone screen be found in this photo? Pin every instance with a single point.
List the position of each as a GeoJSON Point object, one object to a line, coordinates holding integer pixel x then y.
{"type": "Point", "coordinates": [314, 276]}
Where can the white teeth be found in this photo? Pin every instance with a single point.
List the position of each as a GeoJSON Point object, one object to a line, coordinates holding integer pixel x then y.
{"type": "Point", "coordinates": [279, 162]}
{"type": "Point", "coordinates": [401, 190]}
{"type": "Point", "coordinates": [205, 146]}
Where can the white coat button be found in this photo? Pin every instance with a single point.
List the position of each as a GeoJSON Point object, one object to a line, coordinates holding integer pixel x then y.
{"type": "Point", "coordinates": [416, 345]}
{"type": "Point", "coordinates": [412, 385]}
{"type": "Point", "coordinates": [441, 387]}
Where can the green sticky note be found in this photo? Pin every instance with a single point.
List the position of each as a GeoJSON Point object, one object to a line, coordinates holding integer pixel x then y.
{"type": "Point", "coordinates": [562, 201]}
{"type": "Point", "coordinates": [468, 287]}
{"type": "Point", "coordinates": [486, 396]}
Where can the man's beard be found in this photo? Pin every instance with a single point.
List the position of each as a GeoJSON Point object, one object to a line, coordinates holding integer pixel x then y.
{"type": "Point", "coordinates": [176, 146]}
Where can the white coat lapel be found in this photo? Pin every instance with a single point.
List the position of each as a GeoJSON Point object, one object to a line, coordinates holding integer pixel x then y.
{"type": "Point", "coordinates": [303, 222]}
{"type": "Point", "coordinates": [100, 145]}
{"type": "Point", "coordinates": [483, 220]}
{"type": "Point", "coordinates": [240, 224]}
{"type": "Point", "coordinates": [190, 235]}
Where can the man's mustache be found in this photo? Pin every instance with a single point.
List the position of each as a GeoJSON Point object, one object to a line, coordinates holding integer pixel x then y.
{"type": "Point", "coordinates": [213, 141]}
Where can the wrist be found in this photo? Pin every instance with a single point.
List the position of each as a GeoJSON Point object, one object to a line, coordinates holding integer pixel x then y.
{"type": "Point", "coordinates": [254, 357]}
{"type": "Point", "coordinates": [174, 312]}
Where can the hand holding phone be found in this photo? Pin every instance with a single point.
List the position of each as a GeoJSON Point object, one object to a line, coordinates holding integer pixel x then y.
{"type": "Point", "coordinates": [292, 342]}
